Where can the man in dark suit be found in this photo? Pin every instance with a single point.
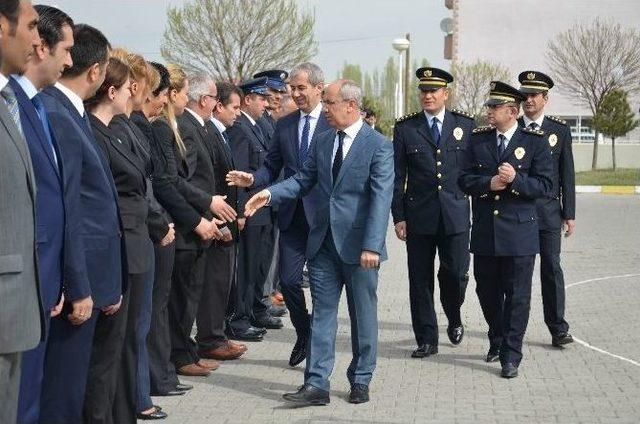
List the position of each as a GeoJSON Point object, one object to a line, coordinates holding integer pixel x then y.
{"type": "Point", "coordinates": [50, 58]}
{"type": "Point", "coordinates": [353, 171]}
{"type": "Point", "coordinates": [556, 211]}
{"type": "Point", "coordinates": [191, 269]}
{"type": "Point", "coordinates": [95, 273]}
{"type": "Point", "coordinates": [21, 314]}
{"type": "Point", "coordinates": [505, 168]}
{"type": "Point", "coordinates": [221, 256]}
{"type": "Point", "coordinates": [429, 210]}
{"type": "Point", "coordinates": [249, 147]}
{"type": "Point", "coordinates": [293, 138]}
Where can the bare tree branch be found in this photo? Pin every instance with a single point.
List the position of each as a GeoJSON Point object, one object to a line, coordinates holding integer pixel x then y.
{"type": "Point", "coordinates": [233, 39]}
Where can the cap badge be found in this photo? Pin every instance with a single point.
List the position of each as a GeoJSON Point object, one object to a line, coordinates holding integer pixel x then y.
{"type": "Point", "coordinates": [427, 73]}
{"type": "Point", "coordinates": [493, 85]}
{"type": "Point", "coordinates": [531, 76]}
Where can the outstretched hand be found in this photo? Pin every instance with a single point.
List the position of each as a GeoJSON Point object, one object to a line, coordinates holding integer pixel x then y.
{"type": "Point", "coordinates": [258, 200]}
{"type": "Point", "coordinates": [239, 179]}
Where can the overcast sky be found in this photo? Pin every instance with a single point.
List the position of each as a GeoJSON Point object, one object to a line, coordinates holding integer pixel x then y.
{"type": "Point", "coordinates": [346, 30]}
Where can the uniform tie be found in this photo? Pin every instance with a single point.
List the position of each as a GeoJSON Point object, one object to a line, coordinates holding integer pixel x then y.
{"type": "Point", "coordinates": [533, 125]}
{"type": "Point", "coordinates": [502, 144]}
{"type": "Point", "coordinates": [435, 132]}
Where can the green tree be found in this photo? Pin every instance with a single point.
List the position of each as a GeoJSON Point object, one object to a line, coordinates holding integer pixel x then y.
{"type": "Point", "coordinates": [352, 72]}
{"type": "Point", "coordinates": [614, 118]}
{"type": "Point", "coordinates": [232, 39]}
{"type": "Point", "coordinates": [589, 60]}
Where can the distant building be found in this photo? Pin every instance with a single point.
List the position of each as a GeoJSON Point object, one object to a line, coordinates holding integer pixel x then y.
{"type": "Point", "coordinates": [515, 34]}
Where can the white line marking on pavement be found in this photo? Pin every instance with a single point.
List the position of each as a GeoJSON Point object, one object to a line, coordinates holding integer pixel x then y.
{"type": "Point", "coordinates": [589, 346]}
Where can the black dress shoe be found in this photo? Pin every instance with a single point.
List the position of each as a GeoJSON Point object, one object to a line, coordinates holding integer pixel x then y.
{"type": "Point", "coordinates": [272, 323]}
{"type": "Point", "coordinates": [155, 415]}
{"type": "Point", "coordinates": [299, 352]}
{"type": "Point", "coordinates": [169, 393]}
{"type": "Point", "coordinates": [184, 387]}
{"type": "Point", "coordinates": [251, 334]}
{"type": "Point", "coordinates": [509, 370]}
{"type": "Point", "coordinates": [561, 339]}
{"type": "Point", "coordinates": [277, 311]}
{"type": "Point", "coordinates": [455, 334]}
{"type": "Point", "coordinates": [359, 393]}
{"type": "Point", "coordinates": [493, 355]}
{"type": "Point", "coordinates": [308, 395]}
{"type": "Point", "coordinates": [424, 351]}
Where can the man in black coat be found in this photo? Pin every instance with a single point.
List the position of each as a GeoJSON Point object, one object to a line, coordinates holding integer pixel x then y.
{"type": "Point", "coordinates": [556, 211]}
{"type": "Point", "coordinates": [429, 210]}
{"type": "Point", "coordinates": [505, 168]}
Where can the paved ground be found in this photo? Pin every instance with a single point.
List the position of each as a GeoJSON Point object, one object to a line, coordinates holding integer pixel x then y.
{"type": "Point", "coordinates": [579, 384]}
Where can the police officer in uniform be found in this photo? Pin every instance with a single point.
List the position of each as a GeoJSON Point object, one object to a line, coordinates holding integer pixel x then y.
{"type": "Point", "coordinates": [556, 211]}
{"type": "Point", "coordinates": [429, 210]}
{"type": "Point", "coordinates": [276, 86]}
{"type": "Point", "coordinates": [505, 169]}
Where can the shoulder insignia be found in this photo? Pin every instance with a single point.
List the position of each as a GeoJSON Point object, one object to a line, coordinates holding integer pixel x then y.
{"type": "Point", "coordinates": [462, 113]}
{"type": "Point", "coordinates": [532, 131]}
{"type": "Point", "coordinates": [483, 129]}
{"type": "Point", "coordinates": [556, 119]}
{"type": "Point", "coordinates": [405, 117]}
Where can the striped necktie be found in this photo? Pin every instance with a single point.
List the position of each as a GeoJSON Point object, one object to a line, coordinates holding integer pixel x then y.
{"type": "Point", "coordinates": [11, 101]}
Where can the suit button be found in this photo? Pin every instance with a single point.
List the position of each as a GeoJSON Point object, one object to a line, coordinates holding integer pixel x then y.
{"type": "Point", "coordinates": [438, 163]}
{"type": "Point", "coordinates": [439, 175]}
{"type": "Point", "coordinates": [439, 187]}
{"type": "Point", "coordinates": [495, 212]}
{"type": "Point", "coordinates": [497, 197]}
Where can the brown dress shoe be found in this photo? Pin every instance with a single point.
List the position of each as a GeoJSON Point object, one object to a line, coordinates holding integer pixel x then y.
{"type": "Point", "coordinates": [208, 364]}
{"type": "Point", "coordinates": [224, 352]}
{"type": "Point", "coordinates": [237, 345]}
{"type": "Point", "coordinates": [193, 370]}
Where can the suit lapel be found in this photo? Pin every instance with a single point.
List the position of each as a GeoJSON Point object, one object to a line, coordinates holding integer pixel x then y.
{"type": "Point", "coordinates": [423, 129]}
{"type": "Point", "coordinates": [513, 144]}
{"type": "Point", "coordinates": [354, 151]}
{"type": "Point", "coordinates": [447, 128]}
{"type": "Point", "coordinates": [17, 140]}
{"type": "Point", "coordinates": [492, 145]}
{"type": "Point", "coordinates": [80, 120]}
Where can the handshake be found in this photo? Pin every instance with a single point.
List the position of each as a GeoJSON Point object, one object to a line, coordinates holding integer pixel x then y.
{"type": "Point", "coordinates": [245, 179]}
{"type": "Point", "coordinates": [506, 175]}
{"type": "Point", "coordinates": [216, 228]}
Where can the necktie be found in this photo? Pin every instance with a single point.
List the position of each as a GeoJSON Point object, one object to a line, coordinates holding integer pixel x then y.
{"type": "Point", "coordinates": [304, 141]}
{"type": "Point", "coordinates": [12, 104]}
{"type": "Point", "coordinates": [42, 114]}
{"type": "Point", "coordinates": [502, 146]}
{"type": "Point", "coordinates": [337, 161]}
{"type": "Point", "coordinates": [435, 132]}
{"type": "Point", "coordinates": [85, 116]}
{"type": "Point", "coordinates": [224, 137]}
{"type": "Point", "coordinates": [533, 126]}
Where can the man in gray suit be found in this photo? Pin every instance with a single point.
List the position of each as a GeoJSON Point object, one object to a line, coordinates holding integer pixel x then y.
{"type": "Point", "coordinates": [21, 315]}
{"type": "Point", "coordinates": [352, 166]}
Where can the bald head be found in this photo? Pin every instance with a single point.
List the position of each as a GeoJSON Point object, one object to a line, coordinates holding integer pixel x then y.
{"type": "Point", "coordinates": [342, 100]}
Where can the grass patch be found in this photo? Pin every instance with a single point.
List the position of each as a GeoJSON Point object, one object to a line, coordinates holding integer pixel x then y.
{"type": "Point", "coordinates": [604, 177]}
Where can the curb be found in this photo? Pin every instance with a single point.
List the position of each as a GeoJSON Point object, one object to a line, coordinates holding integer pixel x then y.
{"type": "Point", "coordinates": [608, 189]}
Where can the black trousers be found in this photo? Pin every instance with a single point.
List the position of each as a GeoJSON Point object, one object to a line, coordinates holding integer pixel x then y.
{"type": "Point", "coordinates": [552, 282]}
{"type": "Point", "coordinates": [254, 258]}
{"type": "Point", "coordinates": [106, 361]}
{"type": "Point", "coordinates": [219, 275]}
{"type": "Point", "coordinates": [293, 245]}
{"type": "Point", "coordinates": [504, 291]}
{"type": "Point", "coordinates": [186, 292]}
{"type": "Point", "coordinates": [453, 253]}
{"type": "Point", "coordinates": [162, 373]}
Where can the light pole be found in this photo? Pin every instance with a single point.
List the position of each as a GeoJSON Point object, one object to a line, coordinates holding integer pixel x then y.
{"type": "Point", "coordinates": [401, 45]}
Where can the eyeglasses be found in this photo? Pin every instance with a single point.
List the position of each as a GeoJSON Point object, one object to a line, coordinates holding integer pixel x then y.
{"type": "Point", "coordinates": [209, 95]}
{"type": "Point", "coordinates": [333, 102]}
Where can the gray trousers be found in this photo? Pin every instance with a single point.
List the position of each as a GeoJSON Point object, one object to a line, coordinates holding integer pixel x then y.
{"type": "Point", "coordinates": [10, 365]}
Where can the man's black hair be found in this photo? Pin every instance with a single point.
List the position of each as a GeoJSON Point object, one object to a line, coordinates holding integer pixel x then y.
{"type": "Point", "coordinates": [50, 24]}
{"type": "Point", "coordinates": [90, 47]}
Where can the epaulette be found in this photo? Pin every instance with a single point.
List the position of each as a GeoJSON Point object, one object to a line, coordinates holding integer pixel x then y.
{"type": "Point", "coordinates": [556, 119]}
{"type": "Point", "coordinates": [532, 131]}
{"type": "Point", "coordinates": [482, 129]}
{"type": "Point", "coordinates": [462, 113]}
{"type": "Point", "coordinates": [405, 117]}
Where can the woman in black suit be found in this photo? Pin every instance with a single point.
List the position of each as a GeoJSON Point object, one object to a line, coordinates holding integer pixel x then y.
{"type": "Point", "coordinates": [112, 99]}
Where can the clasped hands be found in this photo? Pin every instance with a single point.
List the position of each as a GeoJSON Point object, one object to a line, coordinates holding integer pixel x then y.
{"type": "Point", "coordinates": [506, 174]}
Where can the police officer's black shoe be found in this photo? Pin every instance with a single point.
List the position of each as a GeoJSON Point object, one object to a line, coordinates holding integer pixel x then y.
{"type": "Point", "coordinates": [493, 355]}
{"type": "Point", "coordinates": [424, 351]}
{"type": "Point", "coordinates": [561, 339]}
{"type": "Point", "coordinates": [359, 393]}
{"type": "Point", "coordinates": [455, 334]}
{"type": "Point", "coordinates": [509, 370]}
{"type": "Point", "coordinates": [308, 395]}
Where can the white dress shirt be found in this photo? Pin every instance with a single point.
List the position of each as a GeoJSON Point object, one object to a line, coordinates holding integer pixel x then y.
{"type": "Point", "coordinates": [219, 125]}
{"type": "Point", "coordinates": [351, 133]}
{"type": "Point", "coordinates": [528, 121]}
{"type": "Point", "coordinates": [27, 86]}
{"type": "Point", "coordinates": [73, 97]}
{"type": "Point", "coordinates": [507, 134]}
{"type": "Point", "coordinates": [3, 81]}
{"type": "Point", "coordinates": [314, 115]}
{"type": "Point", "coordinates": [440, 117]}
